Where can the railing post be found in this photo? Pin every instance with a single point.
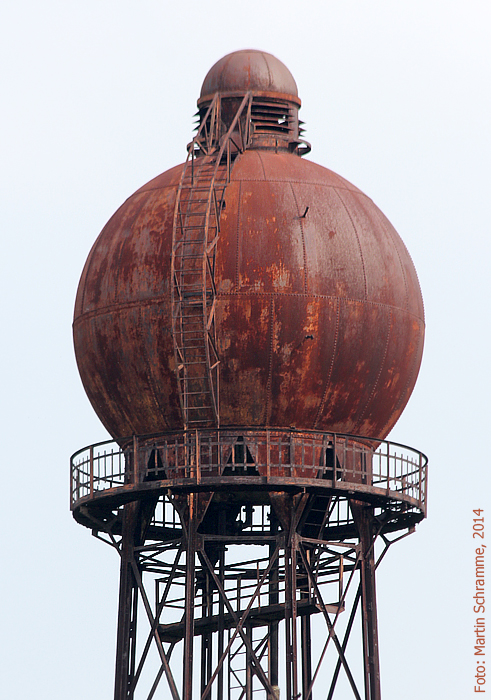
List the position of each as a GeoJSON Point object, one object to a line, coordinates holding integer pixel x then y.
{"type": "Point", "coordinates": [388, 467]}
{"type": "Point", "coordinates": [335, 461]}
{"type": "Point", "coordinates": [91, 471]}
{"type": "Point", "coordinates": [198, 461]}
{"type": "Point", "coordinates": [135, 459]}
{"type": "Point", "coordinates": [426, 486]}
{"type": "Point", "coordinates": [420, 484]}
{"type": "Point", "coordinates": [75, 482]}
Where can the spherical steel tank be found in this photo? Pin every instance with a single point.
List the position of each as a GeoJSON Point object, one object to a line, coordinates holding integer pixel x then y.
{"type": "Point", "coordinates": [318, 316]}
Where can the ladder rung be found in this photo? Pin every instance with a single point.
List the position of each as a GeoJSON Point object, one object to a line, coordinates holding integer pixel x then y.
{"type": "Point", "coordinates": [194, 267]}
{"type": "Point", "coordinates": [197, 188]}
{"type": "Point", "coordinates": [185, 256]}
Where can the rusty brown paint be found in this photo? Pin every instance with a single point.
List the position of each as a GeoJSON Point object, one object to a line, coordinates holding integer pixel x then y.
{"type": "Point", "coordinates": [315, 309]}
{"type": "Point", "coordinates": [245, 70]}
{"type": "Point", "coordinates": [319, 316]}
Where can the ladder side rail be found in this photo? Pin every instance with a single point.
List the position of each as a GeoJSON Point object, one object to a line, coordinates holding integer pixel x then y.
{"type": "Point", "coordinates": [209, 266]}
{"type": "Point", "coordinates": [209, 178]}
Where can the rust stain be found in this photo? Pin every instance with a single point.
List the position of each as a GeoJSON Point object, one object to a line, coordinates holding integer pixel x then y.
{"type": "Point", "coordinates": [321, 362]}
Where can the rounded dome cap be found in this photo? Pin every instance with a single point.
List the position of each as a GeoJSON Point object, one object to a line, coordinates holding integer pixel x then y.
{"type": "Point", "coordinates": [249, 69]}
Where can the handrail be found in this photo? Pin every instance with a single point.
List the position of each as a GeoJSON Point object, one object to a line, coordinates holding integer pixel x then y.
{"type": "Point", "coordinates": [341, 460]}
{"type": "Point", "coordinates": [195, 233]}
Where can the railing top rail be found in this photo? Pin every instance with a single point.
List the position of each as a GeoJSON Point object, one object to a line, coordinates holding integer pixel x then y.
{"type": "Point", "coordinates": [239, 430]}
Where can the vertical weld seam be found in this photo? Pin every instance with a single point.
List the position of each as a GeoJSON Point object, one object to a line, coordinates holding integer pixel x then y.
{"type": "Point", "coordinates": [365, 408]}
{"type": "Point", "coordinates": [409, 380]}
{"type": "Point", "coordinates": [394, 243]}
{"type": "Point", "coordinates": [262, 164]}
{"type": "Point", "coordinates": [89, 265]}
{"type": "Point", "coordinates": [305, 286]}
{"type": "Point", "coordinates": [239, 242]}
{"type": "Point", "coordinates": [151, 382]}
{"type": "Point", "coordinates": [120, 410]}
{"type": "Point", "coordinates": [270, 79]}
{"type": "Point", "coordinates": [270, 370]}
{"type": "Point", "coordinates": [91, 256]}
{"type": "Point", "coordinates": [357, 240]}
{"type": "Point", "coordinates": [331, 367]}
{"type": "Point", "coordinates": [93, 344]}
{"type": "Point", "coordinates": [223, 73]}
{"type": "Point", "coordinates": [124, 241]}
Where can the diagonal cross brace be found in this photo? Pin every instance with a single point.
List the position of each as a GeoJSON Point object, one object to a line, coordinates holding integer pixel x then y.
{"type": "Point", "coordinates": [330, 625]}
{"type": "Point", "coordinates": [154, 624]}
{"type": "Point", "coordinates": [240, 623]}
{"type": "Point", "coordinates": [160, 647]}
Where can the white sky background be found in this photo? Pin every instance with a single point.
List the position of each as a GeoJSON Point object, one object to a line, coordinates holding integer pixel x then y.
{"type": "Point", "coordinates": [97, 98]}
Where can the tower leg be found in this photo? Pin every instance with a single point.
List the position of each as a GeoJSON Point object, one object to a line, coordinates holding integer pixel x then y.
{"type": "Point", "coordinates": [189, 601]}
{"type": "Point", "coordinates": [306, 656]}
{"type": "Point", "coordinates": [291, 619]}
{"type": "Point", "coordinates": [128, 598]}
{"type": "Point", "coordinates": [221, 627]}
{"type": "Point", "coordinates": [273, 638]}
{"type": "Point", "coordinates": [365, 522]}
{"type": "Point", "coordinates": [248, 683]}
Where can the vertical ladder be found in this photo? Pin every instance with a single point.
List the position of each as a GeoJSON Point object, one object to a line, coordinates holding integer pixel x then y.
{"type": "Point", "coordinates": [237, 670]}
{"type": "Point", "coordinates": [196, 229]}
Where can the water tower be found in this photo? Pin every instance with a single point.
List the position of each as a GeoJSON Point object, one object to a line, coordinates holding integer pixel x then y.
{"type": "Point", "coordinates": [248, 327]}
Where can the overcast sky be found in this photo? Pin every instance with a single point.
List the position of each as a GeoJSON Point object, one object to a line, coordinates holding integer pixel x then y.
{"type": "Point", "coordinates": [97, 98]}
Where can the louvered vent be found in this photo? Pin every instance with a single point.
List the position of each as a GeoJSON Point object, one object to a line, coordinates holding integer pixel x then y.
{"type": "Point", "coordinates": [270, 117]}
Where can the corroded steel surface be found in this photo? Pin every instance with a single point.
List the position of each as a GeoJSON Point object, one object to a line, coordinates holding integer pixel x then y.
{"type": "Point", "coordinates": [319, 312]}
{"type": "Point", "coordinates": [241, 71]}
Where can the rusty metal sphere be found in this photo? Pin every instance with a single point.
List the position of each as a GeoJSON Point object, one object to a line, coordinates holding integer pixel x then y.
{"type": "Point", "coordinates": [319, 315]}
